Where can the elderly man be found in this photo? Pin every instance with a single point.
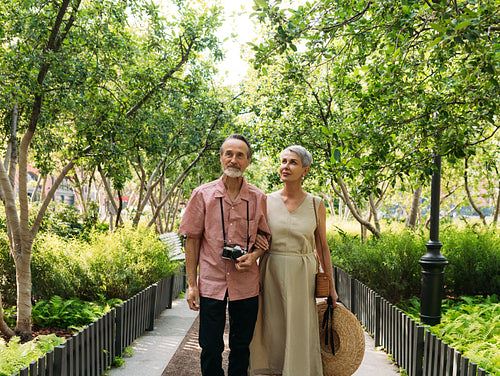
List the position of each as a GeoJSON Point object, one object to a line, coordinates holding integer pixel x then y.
{"type": "Point", "coordinates": [221, 223]}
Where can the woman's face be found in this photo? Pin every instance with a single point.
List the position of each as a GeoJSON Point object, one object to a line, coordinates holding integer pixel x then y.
{"type": "Point", "coordinates": [291, 168]}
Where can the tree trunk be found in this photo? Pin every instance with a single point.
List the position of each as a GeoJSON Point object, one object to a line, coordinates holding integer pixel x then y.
{"type": "Point", "coordinates": [374, 211]}
{"type": "Point", "coordinates": [147, 188]}
{"type": "Point", "coordinates": [111, 199]}
{"type": "Point", "coordinates": [79, 192]}
{"type": "Point", "coordinates": [173, 212]}
{"type": "Point", "coordinates": [330, 201]}
{"type": "Point", "coordinates": [349, 203]}
{"type": "Point", "coordinates": [178, 181]}
{"type": "Point", "coordinates": [497, 206]}
{"type": "Point", "coordinates": [4, 328]}
{"type": "Point", "coordinates": [119, 212]}
{"type": "Point", "coordinates": [411, 219]}
{"type": "Point", "coordinates": [37, 186]}
{"type": "Point", "coordinates": [469, 196]}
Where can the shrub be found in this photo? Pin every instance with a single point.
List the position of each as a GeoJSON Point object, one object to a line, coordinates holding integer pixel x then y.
{"type": "Point", "coordinates": [116, 265]}
{"type": "Point", "coordinates": [67, 222]}
{"type": "Point", "coordinates": [388, 265]}
{"type": "Point", "coordinates": [473, 254]}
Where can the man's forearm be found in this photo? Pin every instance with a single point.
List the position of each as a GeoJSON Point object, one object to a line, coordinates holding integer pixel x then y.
{"type": "Point", "coordinates": [258, 252]}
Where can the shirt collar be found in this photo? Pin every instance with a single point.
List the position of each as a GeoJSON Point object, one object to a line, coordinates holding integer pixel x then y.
{"type": "Point", "coordinates": [220, 190]}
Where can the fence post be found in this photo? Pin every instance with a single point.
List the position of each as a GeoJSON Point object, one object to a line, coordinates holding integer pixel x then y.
{"type": "Point", "coordinates": [352, 293]}
{"type": "Point", "coordinates": [119, 330]}
{"type": "Point", "coordinates": [377, 320]}
{"type": "Point", "coordinates": [152, 307]}
{"type": "Point", "coordinates": [419, 352]}
{"type": "Point", "coordinates": [60, 355]}
{"type": "Point", "coordinates": [171, 291]}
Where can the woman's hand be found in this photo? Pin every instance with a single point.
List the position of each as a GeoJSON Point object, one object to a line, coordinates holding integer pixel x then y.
{"type": "Point", "coordinates": [333, 292]}
{"type": "Point", "coordinates": [261, 242]}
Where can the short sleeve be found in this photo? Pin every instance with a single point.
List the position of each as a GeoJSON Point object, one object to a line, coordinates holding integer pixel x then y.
{"type": "Point", "coordinates": [193, 221]}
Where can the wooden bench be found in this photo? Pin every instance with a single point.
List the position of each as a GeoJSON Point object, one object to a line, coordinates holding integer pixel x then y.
{"type": "Point", "coordinates": [173, 241]}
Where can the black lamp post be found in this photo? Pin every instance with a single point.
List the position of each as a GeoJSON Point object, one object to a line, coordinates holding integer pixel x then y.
{"type": "Point", "coordinates": [433, 262]}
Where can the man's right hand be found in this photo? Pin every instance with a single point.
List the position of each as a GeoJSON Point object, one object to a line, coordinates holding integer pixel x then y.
{"type": "Point", "coordinates": [193, 298]}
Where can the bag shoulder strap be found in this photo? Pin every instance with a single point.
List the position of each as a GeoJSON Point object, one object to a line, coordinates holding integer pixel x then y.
{"type": "Point", "coordinates": [315, 213]}
{"type": "Point", "coordinates": [316, 216]}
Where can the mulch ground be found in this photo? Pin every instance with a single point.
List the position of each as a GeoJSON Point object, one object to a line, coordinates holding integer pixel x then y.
{"type": "Point", "coordinates": [37, 331]}
{"type": "Point", "coordinates": [186, 360]}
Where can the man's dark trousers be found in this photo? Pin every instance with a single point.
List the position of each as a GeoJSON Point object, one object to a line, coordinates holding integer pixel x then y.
{"type": "Point", "coordinates": [242, 318]}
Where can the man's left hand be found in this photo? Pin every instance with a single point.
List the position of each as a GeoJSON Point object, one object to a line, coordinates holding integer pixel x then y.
{"type": "Point", "coordinates": [245, 262]}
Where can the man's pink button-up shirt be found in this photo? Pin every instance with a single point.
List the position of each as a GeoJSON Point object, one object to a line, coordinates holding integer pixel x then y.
{"type": "Point", "coordinates": [202, 220]}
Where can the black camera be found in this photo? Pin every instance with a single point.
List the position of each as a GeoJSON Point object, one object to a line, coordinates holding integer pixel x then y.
{"type": "Point", "coordinates": [232, 253]}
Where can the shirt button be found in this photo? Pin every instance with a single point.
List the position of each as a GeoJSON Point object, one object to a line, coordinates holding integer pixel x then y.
{"type": "Point", "coordinates": [232, 207]}
{"type": "Point", "coordinates": [227, 273]}
{"type": "Point", "coordinates": [230, 224]}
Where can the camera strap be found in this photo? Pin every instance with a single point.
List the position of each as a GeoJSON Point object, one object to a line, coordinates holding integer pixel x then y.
{"type": "Point", "coordinates": [223, 228]}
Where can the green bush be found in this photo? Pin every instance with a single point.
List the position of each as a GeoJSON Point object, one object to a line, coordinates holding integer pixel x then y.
{"type": "Point", "coordinates": [389, 265]}
{"type": "Point", "coordinates": [473, 254]}
{"type": "Point", "coordinates": [67, 222]}
{"type": "Point", "coordinates": [112, 265]}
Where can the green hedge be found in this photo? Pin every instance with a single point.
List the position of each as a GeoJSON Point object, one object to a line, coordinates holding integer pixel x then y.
{"type": "Point", "coordinates": [389, 265]}
{"type": "Point", "coordinates": [116, 265]}
{"type": "Point", "coordinates": [473, 254]}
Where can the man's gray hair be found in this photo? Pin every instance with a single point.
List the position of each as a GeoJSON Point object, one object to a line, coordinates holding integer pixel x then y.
{"type": "Point", "coordinates": [236, 136]}
{"type": "Point", "coordinates": [305, 156]}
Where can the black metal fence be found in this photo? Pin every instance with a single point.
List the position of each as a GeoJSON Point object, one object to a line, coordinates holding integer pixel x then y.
{"type": "Point", "coordinates": [92, 350]}
{"type": "Point", "coordinates": [413, 347]}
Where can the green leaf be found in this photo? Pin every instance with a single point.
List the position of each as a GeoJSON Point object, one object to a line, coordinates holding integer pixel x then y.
{"type": "Point", "coordinates": [435, 42]}
{"type": "Point", "coordinates": [261, 3]}
{"type": "Point", "coordinates": [336, 155]}
{"type": "Point", "coordinates": [462, 25]}
{"type": "Point", "coordinates": [438, 27]}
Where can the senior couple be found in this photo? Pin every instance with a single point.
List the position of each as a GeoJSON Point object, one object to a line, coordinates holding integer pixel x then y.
{"type": "Point", "coordinates": [228, 225]}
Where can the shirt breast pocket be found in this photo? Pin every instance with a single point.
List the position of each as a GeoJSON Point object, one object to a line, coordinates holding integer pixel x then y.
{"type": "Point", "coordinates": [252, 231]}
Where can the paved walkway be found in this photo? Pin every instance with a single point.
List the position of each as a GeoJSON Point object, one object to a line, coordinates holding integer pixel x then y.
{"type": "Point", "coordinates": [153, 350]}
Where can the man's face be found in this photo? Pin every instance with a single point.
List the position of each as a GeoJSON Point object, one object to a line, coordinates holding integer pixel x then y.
{"type": "Point", "coordinates": [234, 158]}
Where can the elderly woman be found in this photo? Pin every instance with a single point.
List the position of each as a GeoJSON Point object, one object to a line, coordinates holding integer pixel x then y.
{"type": "Point", "coordinates": [286, 337]}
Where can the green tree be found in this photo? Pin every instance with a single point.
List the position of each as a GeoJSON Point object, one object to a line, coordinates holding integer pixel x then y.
{"type": "Point", "coordinates": [387, 83]}
{"type": "Point", "coordinates": [79, 80]}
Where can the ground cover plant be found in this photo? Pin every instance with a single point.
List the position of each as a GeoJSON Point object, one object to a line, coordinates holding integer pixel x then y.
{"type": "Point", "coordinates": [15, 355]}
{"type": "Point", "coordinates": [57, 315]}
{"type": "Point", "coordinates": [471, 325]}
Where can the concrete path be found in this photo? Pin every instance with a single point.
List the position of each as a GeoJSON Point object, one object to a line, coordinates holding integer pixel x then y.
{"type": "Point", "coordinates": [153, 350]}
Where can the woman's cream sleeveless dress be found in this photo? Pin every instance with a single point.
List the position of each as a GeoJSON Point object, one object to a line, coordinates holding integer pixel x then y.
{"type": "Point", "coordinates": [286, 337]}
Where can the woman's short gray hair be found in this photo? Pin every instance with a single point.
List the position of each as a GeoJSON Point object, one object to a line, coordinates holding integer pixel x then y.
{"type": "Point", "coordinates": [305, 156]}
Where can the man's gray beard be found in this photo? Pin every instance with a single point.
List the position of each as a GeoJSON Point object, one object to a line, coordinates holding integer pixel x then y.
{"type": "Point", "coordinates": [233, 173]}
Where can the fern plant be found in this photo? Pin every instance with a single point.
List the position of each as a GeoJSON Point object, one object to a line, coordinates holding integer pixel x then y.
{"type": "Point", "coordinates": [16, 355]}
{"type": "Point", "coordinates": [69, 314]}
{"type": "Point", "coordinates": [471, 325]}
